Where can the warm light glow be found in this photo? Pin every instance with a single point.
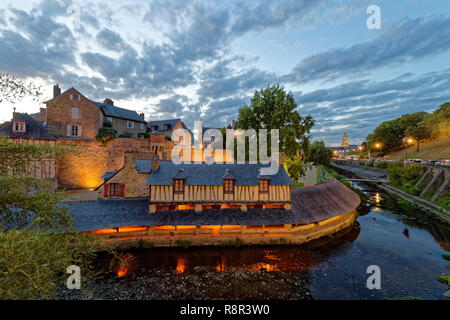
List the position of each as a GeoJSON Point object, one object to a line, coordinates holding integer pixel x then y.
{"type": "Point", "coordinates": [221, 264]}
{"type": "Point", "coordinates": [377, 145]}
{"type": "Point", "coordinates": [186, 227]}
{"type": "Point", "coordinates": [274, 206]}
{"type": "Point", "coordinates": [164, 227]}
{"type": "Point", "coordinates": [185, 207]}
{"type": "Point", "coordinates": [265, 266]}
{"type": "Point", "coordinates": [377, 198]}
{"type": "Point", "coordinates": [123, 267]}
{"type": "Point", "coordinates": [181, 265]}
{"type": "Point", "coordinates": [410, 140]}
{"type": "Point", "coordinates": [103, 231]}
{"type": "Point", "coordinates": [132, 229]}
{"type": "Point", "coordinates": [229, 206]}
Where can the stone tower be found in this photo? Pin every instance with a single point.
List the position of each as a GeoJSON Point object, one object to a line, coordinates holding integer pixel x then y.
{"type": "Point", "coordinates": [345, 140]}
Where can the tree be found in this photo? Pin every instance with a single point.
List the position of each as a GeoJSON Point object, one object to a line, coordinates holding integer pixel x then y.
{"type": "Point", "coordinates": [418, 132]}
{"type": "Point", "coordinates": [320, 154]}
{"type": "Point", "coordinates": [274, 108]}
{"type": "Point", "coordinates": [37, 239]}
{"type": "Point", "coordinates": [13, 89]}
{"type": "Point", "coordinates": [439, 121]}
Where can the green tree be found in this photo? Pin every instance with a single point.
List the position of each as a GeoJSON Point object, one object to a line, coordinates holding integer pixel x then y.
{"type": "Point", "coordinates": [439, 121]}
{"type": "Point", "coordinates": [320, 154]}
{"type": "Point", "coordinates": [419, 132]}
{"type": "Point", "coordinates": [274, 108]}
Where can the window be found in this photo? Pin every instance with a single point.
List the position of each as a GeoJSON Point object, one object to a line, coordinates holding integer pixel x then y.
{"type": "Point", "coordinates": [164, 156]}
{"type": "Point", "coordinates": [130, 124]}
{"type": "Point", "coordinates": [178, 186]}
{"type": "Point", "coordinates": [228, 186]}
{"type": "Point", "coordinates": [74, 113]}
{"type": "Point", "coordinates": [114, 190]}
{"type": "Point", "coordinates": [142, 126]}
{"type": "Point", "coordinates": [74, 97]}
{"type": "Point", "coordinates": [109, 119]}
{"type": "Point", "coordinates": [166, 126]}
{"type": "Point", "coordinates": [154, 128]}
{"type": "Point", "coordinates": [74, 130]}
{"type": "Point", "coordinates": [18, 126]}
{"type": "Point", "coordinates": [263, 186]}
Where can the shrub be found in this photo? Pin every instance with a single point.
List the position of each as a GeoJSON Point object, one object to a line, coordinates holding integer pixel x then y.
{"type": "Point", "coordinates": [126, 134]}
{"type": "Point", "coordinates": [405, 176]}
{"type": "Point", "coordinates": [105, 135]}
{"type": "Point", "coordinates": [369, 163]}
{"type": "Point", "coordinates": [381, 164]}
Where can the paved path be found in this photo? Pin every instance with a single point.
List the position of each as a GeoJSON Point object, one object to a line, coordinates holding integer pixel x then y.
{"type": "Point", "coordinates": [310, 177]}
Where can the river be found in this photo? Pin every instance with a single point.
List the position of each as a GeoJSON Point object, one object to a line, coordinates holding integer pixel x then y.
{"type": "Point", "coordinates": [405, 243]}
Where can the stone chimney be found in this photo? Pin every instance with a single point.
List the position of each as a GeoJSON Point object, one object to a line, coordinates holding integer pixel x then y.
{"type": "Point", "coordinates": [233, 124]}
{"type": "Point", "coordinates": [56, 90]}
{"type": "Point", "coordinates": [142, 115]}
{"type": "Point", "coordinates": [281, 159]}
{"type": "Point", "coordinates": [108, 101]}
{"type": "Point", "coordinates": [130, 158]}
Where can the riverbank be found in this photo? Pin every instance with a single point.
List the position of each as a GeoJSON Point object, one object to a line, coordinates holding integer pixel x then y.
{"type": "Point", "coordinates": [430, 207]}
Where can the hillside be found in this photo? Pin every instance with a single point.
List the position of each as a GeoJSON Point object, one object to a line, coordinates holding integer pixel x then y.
{"type": "Point", "coordinates": [436, 149]}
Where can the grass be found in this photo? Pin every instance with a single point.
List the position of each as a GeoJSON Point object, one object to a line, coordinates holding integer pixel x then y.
{"type": "Point", "coordinates": [437, 149]}
{"type": "Point", "coordinates": [446, 256]}
{"type": "Point", "coordinates": [298, 184]}
{"type": "Point", "coordinates": [445, 279]}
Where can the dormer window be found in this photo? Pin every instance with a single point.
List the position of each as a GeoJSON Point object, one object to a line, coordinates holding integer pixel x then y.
{"type": "Point", "coordinates": [263, 186]}
{"type": "Point", "coordinates": [178, 186]}
{"type": "Point", "coordinates": [166, 126]}
{"type": "Point", "coordinates": [228, 186]}
{"type": "Point", "coordinates": [18, 126]}
{"type": "Point", "coordinates": [74, 97]}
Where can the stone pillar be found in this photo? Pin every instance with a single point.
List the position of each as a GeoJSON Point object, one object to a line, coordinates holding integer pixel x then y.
{"type": "Point", "coordinates": [287, 206]}
{"type": "Point", "coordinates": [244, 208]}
{"type": "Point", "coordinates": [152, 208]}
{"type": "Point", "coordinates": [198, 208]}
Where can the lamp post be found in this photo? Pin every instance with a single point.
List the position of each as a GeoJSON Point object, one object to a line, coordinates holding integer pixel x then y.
{"type": "Point", "coordinates": [408, 141]}
{"type": "Point", "coordinates": [378, 145]}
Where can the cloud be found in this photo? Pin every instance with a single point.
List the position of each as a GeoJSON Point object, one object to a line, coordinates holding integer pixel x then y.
{"type": "Point", "coordinates": [359, 106]}
{"type": "Point", "coordinates": [405, 41]}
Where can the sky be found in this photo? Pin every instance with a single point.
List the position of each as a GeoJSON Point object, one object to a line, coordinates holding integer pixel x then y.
{"type": "Point", "coordinates": [203, 60]}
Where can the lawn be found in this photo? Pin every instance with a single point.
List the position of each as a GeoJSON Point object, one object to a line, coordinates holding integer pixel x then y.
{"type": "Point", "coordinates": [437, 149]}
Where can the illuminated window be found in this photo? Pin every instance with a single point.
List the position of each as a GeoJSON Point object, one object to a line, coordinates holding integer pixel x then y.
{"type": "Point", "coordinates": [178, 186]}
{"type": "Point", "coordinates": [114, 190]}
{"type": "Point", "coordinates": [263, 186]}
{"type": "Point", "coordinates": [228, 186]}
{"type": "Point", "coordinates": [19, 126]}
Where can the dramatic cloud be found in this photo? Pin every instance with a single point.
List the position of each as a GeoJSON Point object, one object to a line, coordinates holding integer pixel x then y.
{"type": "Point", "coordinates": [358, 107]}
{"type": "Point", "coordinates": [404, 41]}
{"type": "Point", "coordinates": [183, 58]}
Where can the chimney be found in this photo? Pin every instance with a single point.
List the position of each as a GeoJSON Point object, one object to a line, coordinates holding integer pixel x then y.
{"type": "Point", "coordinates": [142, 115]}
{"type": "Point", "coordinates": [233, 124]}
{"type": "Point", "coordinates": [56, 90]}
{"type": "Point", "coordinates": [130, 158]}
{"type": "Point", "coordinates": [108, 101]}
{"type": "Point", "coordinates": [281, 159]}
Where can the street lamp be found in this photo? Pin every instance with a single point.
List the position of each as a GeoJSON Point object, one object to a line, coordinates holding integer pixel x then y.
{"type": "Point", "coordinates": [408, 141]}
{"type": "Point", "coordinates": [378, 145]}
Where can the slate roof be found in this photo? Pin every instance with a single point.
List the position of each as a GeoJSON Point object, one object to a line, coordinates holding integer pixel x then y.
{"type": "Point", "coordinates": [143, 166]}
{"type": "Point", "coordinates": [109, 175]}
{"type": "Point", "coordinates": [116, 112]}
{"type": "Point", "coordinates": [33, 128]}
{"type": "Point", "coordinates": [213, 174]}
{"type": "Point", "coordinates": [160, 124]}
{"type": "Point", "coordinates": [309, 204]}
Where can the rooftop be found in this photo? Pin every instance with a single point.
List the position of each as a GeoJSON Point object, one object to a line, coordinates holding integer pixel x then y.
{"type": "Point", "coordinates": [112, 111]}
{"type": "Point", "coordinates": [33, 129]}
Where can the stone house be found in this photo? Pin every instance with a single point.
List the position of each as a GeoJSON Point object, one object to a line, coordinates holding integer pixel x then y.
{"type": "Point", "coordinates": [166, 127]}
{"type": "Point", "coordinates": [70, 115]}
{"type": "Point", "coordinates": [196, 185]}
{"type": "Point", "coordinates": [24, 129]}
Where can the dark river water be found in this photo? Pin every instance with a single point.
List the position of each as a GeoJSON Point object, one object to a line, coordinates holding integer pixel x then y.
{"type": "Point", "coordinates": [404, 242]}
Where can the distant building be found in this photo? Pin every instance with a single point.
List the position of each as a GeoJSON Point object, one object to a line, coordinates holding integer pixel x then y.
{"type": "Point", "coordinates": [346, 149]}
{"type": "Point", "coordinates": [345, 140]}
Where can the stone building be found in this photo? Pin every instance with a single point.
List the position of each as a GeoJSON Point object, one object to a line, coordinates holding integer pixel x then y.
{"type": "Point", "coordinates": [196, 185]}
{"type": "Point", "coordinates": [24, 129]}
{"type": "Point", "coordinates": [71, 115]}
{"type": "Point", "coordinates": [345, 140]}
{"type": "Point", "coordinates": [166, 127]}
